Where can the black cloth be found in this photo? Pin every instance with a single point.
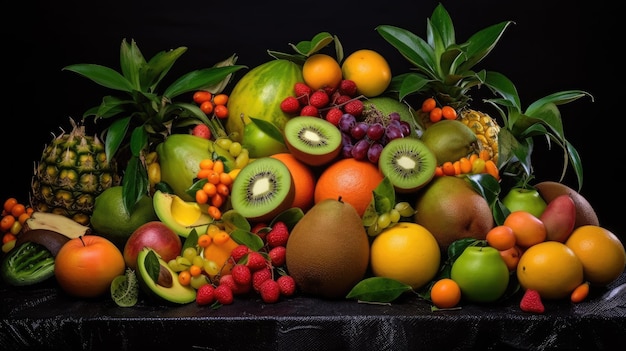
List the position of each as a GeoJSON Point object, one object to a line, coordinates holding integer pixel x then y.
{"type": "Point", "coordinates": [44, 318]}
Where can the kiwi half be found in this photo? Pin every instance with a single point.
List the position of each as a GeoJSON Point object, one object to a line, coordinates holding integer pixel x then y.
{"type": "Point", "coordinates": [312, 140]}
{"type": "Point", "coordinates": [263, 189]}
{"type": "Point", "coordinates": [408, 163]}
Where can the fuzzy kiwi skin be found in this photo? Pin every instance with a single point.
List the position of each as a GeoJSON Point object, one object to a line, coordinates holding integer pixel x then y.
{"type": "Point", "coordinates": [425, 162]}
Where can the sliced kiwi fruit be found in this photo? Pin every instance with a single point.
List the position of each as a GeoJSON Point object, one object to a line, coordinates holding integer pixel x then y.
{"type": "Point", "coordinates": [407, 163]}
{"type": "Point", "coordinates": [263, 189]}
{"type": "Point", "coordinates": [312, 140]}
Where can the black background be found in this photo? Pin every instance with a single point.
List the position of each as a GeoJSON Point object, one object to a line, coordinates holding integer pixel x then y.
{"type": "Point", "coordinates": [553, 46]}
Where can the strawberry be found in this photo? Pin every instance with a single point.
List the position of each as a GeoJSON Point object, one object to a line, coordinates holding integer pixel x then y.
{"type": "Point", "coordinates": [354, 107]}
{"type": "Point", "coordinates": [290, 105]}
{"type": "Point", "coordinates": [278, 236]}
{"type": "Point", "coordinates": [347, 87]}
{"type": "Point", "coordinates": [342, 99]}
{"type": "Point", "coordinates": [270, 291]}
{"type": "Point", "coordinates": [531, 302]}
{"type": "Point", "coordinates": [256, 261]}
{"type": "Point", "coordinates": [319, 99]}
{"type": "Point", "coordinates": [302, 92]}
{"type": "Point", "coordinates": [309, 110]}
{"type": "Point", "coordinates": [224, 294]}
{"type": "Point", "coordinates": [205, 295]}
{"type": "Point", "coordinates": [333, 115]}
{"type": "Point", "coordinates": [202, 131]}
{"type": "Point", "coordinates": [237, 289]}
{"type": "Point", "coordinates": [239, 251]}
{"type": "Point", "coordinates": [287, 285]}
{"type": "Point", "coordinates": [260, 229]}
{"type": "Point", "coordinates": [277, 256]}
{"type": "Point", "coordinates": [241, 274]}
{"type": "Point", "coordinates": [258, 277]}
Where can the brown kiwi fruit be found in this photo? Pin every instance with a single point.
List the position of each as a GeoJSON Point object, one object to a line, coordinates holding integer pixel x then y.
{"type": "Point", "coordinates": [408, 163]}
{"type": "Point", "coordinates": [263, 189]}
{"type": "Point", "coordinates": [312, 140]}
{"type": "Point", "coordinates": [585, 214]}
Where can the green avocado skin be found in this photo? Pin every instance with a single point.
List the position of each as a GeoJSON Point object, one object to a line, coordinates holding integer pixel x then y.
{"type": "Point", "coordinates": [177, 294]}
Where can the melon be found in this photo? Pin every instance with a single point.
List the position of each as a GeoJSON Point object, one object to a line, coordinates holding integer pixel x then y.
{"type": "Point", "coordinates": [258, 94]}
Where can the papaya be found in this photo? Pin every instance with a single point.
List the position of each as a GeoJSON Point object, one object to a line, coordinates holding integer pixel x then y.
{"type": "Point", "coordinates": [258, 94]}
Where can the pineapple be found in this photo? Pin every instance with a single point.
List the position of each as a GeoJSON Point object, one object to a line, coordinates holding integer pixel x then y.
{"type": "Point", "coordinates": [486, 129]}
{"type": "Point", "coordinates": [73, 171]}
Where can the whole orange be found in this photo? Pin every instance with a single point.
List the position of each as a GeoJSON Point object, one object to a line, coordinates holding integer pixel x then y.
{"type": "Point", "coordinates": [321, 71]}
{"type": "Point", "coordinates": [528, 229]}
{"type": "Point", "coordinates": [86, 266]}
{"type": "Point", "coordinates": [369, 70]}
{"type": "Point", "coordinates": [303, 179]}
{"type": "Point", "coordinates": [352, 180]}
{"type": "Point", "coordinates": [600, 251]}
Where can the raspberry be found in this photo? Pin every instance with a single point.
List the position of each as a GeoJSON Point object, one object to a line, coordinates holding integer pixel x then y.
{"type": "Point", "coordinates": [259, 277]}
{"type": "Point", "coordinates": [302, 92]}
{"type": "Point", "coordinates": [277, 256]}
{"type": "Point", "coordinates": [223, 294]}
{"type": "Point", "coordinates": [287, 285]}
{"type": "Point", "coordinates": [237, 289]}
{"type": "Point", "coordinates": [531, 302]}
{"type": "Point", "coordinates": [333, 115]}
{"type": "Point", "coordinates": [278, 236]}
{"type": "Point", "coordinates": [202, 131]}
{"type": "Point", "coordinates": [241, 274]}
{"type": "Point", "coordinates": [270, 291]}
{"type": "Point", "coordinates": [290, 105]}
{"type": "Point", "coordinates": [354, 107]}
{"type": "Point", "coordinates": [309, 110]}
{"type": "Point", "coordinates": [347, 87]}
{"type": "Point", "coordinates": [239, 251]}
{"type": "Point", "coordinates": [319, 99]}
{"type": "Point", "coordinates": [256, 261]}
{"type": "Point", "coordinates": [260, 229]}
{"type": "Point", "coordinates": [205, 295]}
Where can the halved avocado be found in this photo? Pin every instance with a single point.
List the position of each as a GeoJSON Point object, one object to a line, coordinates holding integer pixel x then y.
{"type": "Point", "coordinates": [180, 215]}
{"type": "Point", "coordinates": [174, 293]}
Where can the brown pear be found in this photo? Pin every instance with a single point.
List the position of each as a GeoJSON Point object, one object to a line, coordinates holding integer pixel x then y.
{"type": "Point", "coordinates": [328, 250]}
{"type": "Point", "coordinates": [451, 210]}
{"type": "Point", "coordinates": [585, 214]}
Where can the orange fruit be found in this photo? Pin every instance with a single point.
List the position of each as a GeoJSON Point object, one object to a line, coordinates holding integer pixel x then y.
{"type": "Point", "coordinates": [369, 70]}
{"type": "Point", "coordinates": [501, 237]}
{"type": "Point", "coordinates": [551, 268]}
{"type": "Point", "coordinates": [445, 293]}
{"type": "Point", "coordinates": [600, 251]}
{"type": "Point", "coordinates": [352, 180]}
{"type": "Point", "coordinates": [529, 230]}
{"type": "Point", "coordinates": [511, 257]}
{"type": "Point", "coordinates": [303, 179]}
{"type": "Point", "coordinates": [406, 252]}
{"type": "Point", "coordinates": [321, 71]}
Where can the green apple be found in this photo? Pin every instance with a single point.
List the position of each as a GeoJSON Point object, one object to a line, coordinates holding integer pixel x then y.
{"type": "Point", "coordinates": [523, 199]}
{"type": "Point", "coordinates": [259, 143]}
{"type": "Point", "coordinates": [481, 274]}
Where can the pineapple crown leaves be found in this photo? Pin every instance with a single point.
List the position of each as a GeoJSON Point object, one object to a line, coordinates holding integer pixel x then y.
{"type": "Point", "coordinates": [442, 66]}
{"type": "Point", "coordinates": [147, 117]}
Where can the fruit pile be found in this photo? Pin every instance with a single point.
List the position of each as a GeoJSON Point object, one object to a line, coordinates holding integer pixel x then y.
{"type": "Point", "coordinates": [312, 174]}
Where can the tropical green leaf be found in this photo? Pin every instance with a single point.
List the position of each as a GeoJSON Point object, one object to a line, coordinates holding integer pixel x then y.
{"type": "Point", "coordinates": [378, 289]}
{"type": "Point", "coordinates": [408, 83]}
{"type": "Point", "coordinates": [559, 98]}
{"type": "Point", "coordinates": [319, 41]}
{"type": "Point", "coordinates": [220, 86]}
{"type": "Point", "coordinates": [196, 80]}
{"type": "Point", "coordinates": [411, 47]}
{"type": "Point", "coordinates": [131, 62]}
{"type": "Point", "coordinates": [134, 183]}
{"type": "Point", "coordinates": [110, 106]}
{"type": "Point", "coordinates": [115, 135]}
{"type": "Point", "coordinates": [500, 84]}
{"type": "Point", "coordinates": [482, 43]}
{"type": "Point", "coordinates": [102, 75]}
{"type": "Point", "coordinates": [440, 29]}
{"type": "Point", "coordinates": [159, 65]}
{"type": "Point", "coordinates": [138, 141]}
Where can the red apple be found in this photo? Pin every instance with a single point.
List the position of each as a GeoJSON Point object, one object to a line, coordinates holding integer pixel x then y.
{"type": "Point", "coordinates": [155, 235]}
{"type": "Point", "coordinates": [86, 266]}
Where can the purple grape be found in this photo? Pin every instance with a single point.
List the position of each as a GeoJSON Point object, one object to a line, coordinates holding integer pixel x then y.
{"type": "Point", "coordinates": [346, 122]}
{"type": "Point", "coordinates": [359, 150]}
{"type": "Point", "coordinates": [359, 130]}
{"type": "Point", "coordinates": [393, 132]}
{"type": "Point", "coordinates": [394, 116]}
{"type": "Point", "coordinates": [375, 131]}
{"type": "Point", "coordinates": [346, 151]}
{"type": "Point", "coordinates": [373, 153]}
{"type": "Point", "coordinates": [405, 127]}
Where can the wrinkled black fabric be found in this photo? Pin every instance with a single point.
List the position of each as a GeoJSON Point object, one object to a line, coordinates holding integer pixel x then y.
{"type": "Point", "coordinates": [44, 318]}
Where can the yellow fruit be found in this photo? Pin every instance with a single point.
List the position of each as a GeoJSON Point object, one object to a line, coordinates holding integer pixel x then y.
{"type": "Point", "coordinates": [551, 268]}
{"type": "Point", "coordinates": [600, 251]}
{"type": "Point", "coordinates": [369, 70]}
{"type": "Point", "coordinates": [406, 252]}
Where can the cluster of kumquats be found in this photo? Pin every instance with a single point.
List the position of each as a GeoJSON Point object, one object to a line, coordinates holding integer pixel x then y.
{"type": "Point", "coordinates": [216, 185]}
{"type": "Point", "coordinates": [476, 163]}
{"type": "Point", "coordinates": [212, 104]}
{"type": "Point", "coordinates": [14, 214]}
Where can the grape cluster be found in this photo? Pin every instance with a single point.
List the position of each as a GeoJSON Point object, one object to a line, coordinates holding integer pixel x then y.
{"type": "Point", "coordinates": [382, 221]}
{"type": "Point", "coordinates": [364, 139]}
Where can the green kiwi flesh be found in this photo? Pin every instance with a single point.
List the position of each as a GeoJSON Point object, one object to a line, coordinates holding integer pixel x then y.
{"type": "Point", "coordinates": [263, 189]}
{"type": "Point", "coordinates": [408, 163]}
{"type": "Point", "coordinates": [312, 140]}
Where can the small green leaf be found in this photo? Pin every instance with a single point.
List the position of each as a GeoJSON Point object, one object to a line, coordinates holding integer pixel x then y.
{"type": "Point", "coordinates": [153, 266]}
{"type": "Point", "coordinates": [237, 220]}
{"type": "Point", "coordinates": [268, 128]}
{"type": "Point", "coordinates": [319, 41]}
{"type": "Point", "coordinates": [196, 80]}
{"type": "Point", "coordinates": [190, 241]}
{"type": "Point", "coordinates": [378, 289]}
{"type": "Point", "coordinates": [247, 238]}
{"type": "Point", "coordinates": [290, 217]}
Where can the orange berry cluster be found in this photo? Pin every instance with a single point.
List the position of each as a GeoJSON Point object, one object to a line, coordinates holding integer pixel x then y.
{"type": "Point", "coordinates": [474, 164]}
{"type": "Point", "coordinates": [217, 187]}
{"type": "Point", "coordinates": [14, 214]}
{"type": "Point", "coordinates": [436, 113]}
{"type": "Point", "coordinates": [212, 104]}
